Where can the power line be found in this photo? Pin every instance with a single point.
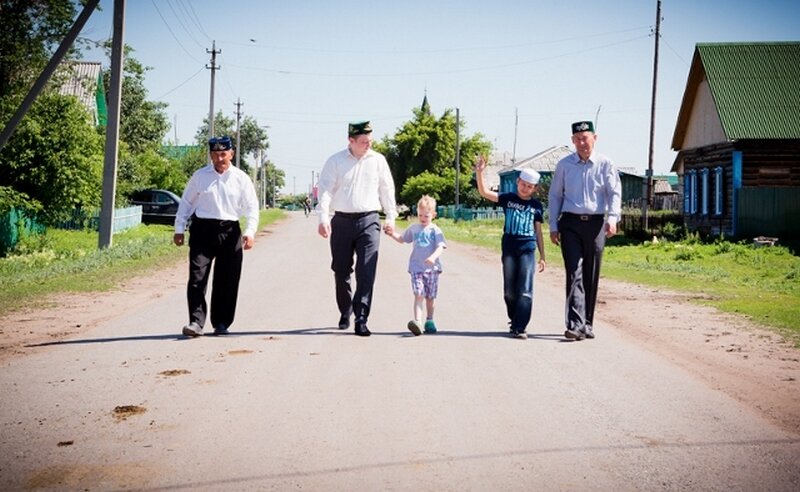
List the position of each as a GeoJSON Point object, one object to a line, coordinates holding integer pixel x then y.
{"type": "Point", "coordinates": [192, 15]}
{"type": "Point", "coordinates": [178, 18]}
{"type": "Point", "coordinates": [443, 72]}
{"type": "Point", "coordinates": [181, 84]}
{"type": "Point", "coordinates": [440, 50]}
{"type": "Point", "coordinates": [663, 40]}
{"type": "Point", "coordinates": [230, 86]}
{"type": "Point", "coordinates": [173, 34]}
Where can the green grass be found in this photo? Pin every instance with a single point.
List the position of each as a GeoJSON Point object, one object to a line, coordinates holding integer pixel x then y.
{"type": "Point", "coordinates": [762, 284]}
{"type": "Point", "coordinates": [69, 261]}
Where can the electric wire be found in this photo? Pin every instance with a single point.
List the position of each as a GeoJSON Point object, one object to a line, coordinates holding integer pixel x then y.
{"type": "Point", "coordinates": [192, 15]}
{"type": "Point", "coordinates": [181, 84]}
{"type": "Point", "coordinates": [173, 34]}
{"type": "Point", "coordinates": [442, 72]}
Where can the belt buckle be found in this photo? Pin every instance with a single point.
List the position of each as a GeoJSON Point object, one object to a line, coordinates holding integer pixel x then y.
{"type": "Point", "coordinates": [584, 218]}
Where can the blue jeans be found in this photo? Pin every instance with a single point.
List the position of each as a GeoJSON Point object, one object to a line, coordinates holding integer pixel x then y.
{"type": "Point", "coordinates": [518, 271]}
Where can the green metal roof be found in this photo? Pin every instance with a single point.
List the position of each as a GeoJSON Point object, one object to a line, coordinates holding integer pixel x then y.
{"type": "Point", "coordinates": [756, 88]}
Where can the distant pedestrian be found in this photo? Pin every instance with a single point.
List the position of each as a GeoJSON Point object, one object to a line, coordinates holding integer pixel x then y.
{"type": "Point", "coordinates": [215, 197]}
{"type": "Point", "coordinates": [424, 264]}
{"type": "Point", "coordinates": [355, 183]}
{"type": "Point", "coordinates": [522, 236]}
{"type": "Point", "coordinates": [585, 205]}
{"type": "Point", "coordinates": [307, 205]}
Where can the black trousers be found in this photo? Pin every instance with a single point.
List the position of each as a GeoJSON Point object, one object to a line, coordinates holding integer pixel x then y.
{"type": "Point", "coordinates": [582, 243]}
{"type": "Point", "coordinates": [219, 242]}
{"type": "Point", "coordinates": [359, 235]}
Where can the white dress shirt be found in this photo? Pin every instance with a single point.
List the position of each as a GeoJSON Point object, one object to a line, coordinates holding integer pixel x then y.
{"type": "Point", "coordinates": [352, 185]}
{"type": "Point", "coordinates": [226, 196]}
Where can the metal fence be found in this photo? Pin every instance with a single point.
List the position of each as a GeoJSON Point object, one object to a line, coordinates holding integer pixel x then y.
{"type": "Point", "coordinates": [89, 219]}
{"type": "Point", "coordinates": [15, 225]}
{"type": "Point", "coordinates": [466, 213]}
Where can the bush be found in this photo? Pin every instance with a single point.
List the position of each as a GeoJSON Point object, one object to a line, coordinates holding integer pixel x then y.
{"type": "Point", "coordinates": [687, 253]}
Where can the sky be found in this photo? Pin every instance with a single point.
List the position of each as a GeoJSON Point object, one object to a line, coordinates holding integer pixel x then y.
{"type": "Point", "coordinates": [519, 71]}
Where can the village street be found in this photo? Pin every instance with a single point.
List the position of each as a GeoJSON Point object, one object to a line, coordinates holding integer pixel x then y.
{"type": "Point", "coordinates": [289, 402]}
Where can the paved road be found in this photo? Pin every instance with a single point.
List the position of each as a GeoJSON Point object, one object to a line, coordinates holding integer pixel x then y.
{"type": "Point", "coordinates": [289, 402]}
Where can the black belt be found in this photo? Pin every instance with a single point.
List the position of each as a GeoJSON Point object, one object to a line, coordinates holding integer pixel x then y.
{"type": "Point", "coordinates": [355, 215]}
{"type": "Point", "coordinates": [583, 217]}
{"type": "Point", "coordinates": [217, 222]}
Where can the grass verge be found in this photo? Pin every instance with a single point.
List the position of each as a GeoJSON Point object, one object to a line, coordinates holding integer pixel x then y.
{"type": "Point", "coordinates": [762, 284]}
{"type": "Point", "coordinates": [69, 261]}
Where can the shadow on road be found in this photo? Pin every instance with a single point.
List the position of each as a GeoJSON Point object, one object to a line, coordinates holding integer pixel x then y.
{"type": "Point", "coordinates": [328, 330]}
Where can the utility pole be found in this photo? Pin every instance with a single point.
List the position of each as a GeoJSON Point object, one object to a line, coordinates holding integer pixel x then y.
{"type": "Point", "coordinates": [458, 159]}
{"type": "Point", "coordinates": [214, 52]}
{"type": "Point", "coordinates": [597, 118]}
{"type": "Point", "coordinates": [649, 199]}
{"type": "Point", "coordinates": [106, 226]}
{"type": "Point", "coordinates": [516, 125]}
{"type": "Point", "coordinates": [238, 105]}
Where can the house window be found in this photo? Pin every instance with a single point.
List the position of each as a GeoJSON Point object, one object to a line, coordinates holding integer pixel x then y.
{"type": "Point", "coordinates": [718, 190]}
{"type": "Point", "coordinates": [693, 191]}
{"type": "Point", "coordinates": [704, 190]}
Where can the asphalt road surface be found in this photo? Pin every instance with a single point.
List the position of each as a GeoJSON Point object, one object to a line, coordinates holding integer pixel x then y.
{"type": "Point", "coordinates": [289, 402]}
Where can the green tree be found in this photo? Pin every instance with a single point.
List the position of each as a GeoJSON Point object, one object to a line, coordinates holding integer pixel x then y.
{"type": "Point", "coordinates": [194, 159]}
{"type": "Point", "coordinates": [425, 183]}
{"type": "Point", "coordinates": [30, 32]}
{"type": "Point", "coordinates": [275, 179]}
{"type": "Point", "coordinates": [142, 123]}
{"type": "Point", "coordinates": [55, 156]}
{"type": "Point", "coordinates": [148, 169]}
{"type": "Point", "coordinates": [427, 144]}
{"type": "Point", "coordinates": [439, 186]}
{"type": "Point", "coordinates": [253, 139]}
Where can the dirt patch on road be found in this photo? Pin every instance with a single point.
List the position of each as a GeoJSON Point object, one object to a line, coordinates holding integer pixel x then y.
{"type": "Point", "coordinates": [745, 361]}
{"type": "Point", "coordinates": [750, 363]}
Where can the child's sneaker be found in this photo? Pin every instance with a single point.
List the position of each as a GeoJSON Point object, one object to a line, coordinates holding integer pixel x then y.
{"type": "Point", "coordinates": [413, 327]}
{"type": "Point", "coordinates": [430, 326]}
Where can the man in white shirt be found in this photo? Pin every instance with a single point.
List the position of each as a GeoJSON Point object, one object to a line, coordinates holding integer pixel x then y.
{"type": "Point", "coordinates": [354, 184]}
{"type": "Point", "coordinates": [215, 197]}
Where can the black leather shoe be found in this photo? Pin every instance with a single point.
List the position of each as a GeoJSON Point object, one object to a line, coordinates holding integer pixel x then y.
{"type": "Point", "coordinates": [220, 329]}
{"type": "Point", "coordinates": [362, 330]}
{"type": "Point", "coordinates": [574, 335]}
{"type": "Point", "coordinates": [344, 322]}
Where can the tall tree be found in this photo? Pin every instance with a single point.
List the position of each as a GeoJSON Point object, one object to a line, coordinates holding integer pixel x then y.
{"type": "Point", "coordinates": [55, 156]}
{"type": "Point", "coordinates": [142, 123]}
{"type": "Point", "coordinates": [428, 145]}
{"type": "Point", "coordinates": [253, 138]}
{"type": "Point", "coordinates": [30, 32]}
